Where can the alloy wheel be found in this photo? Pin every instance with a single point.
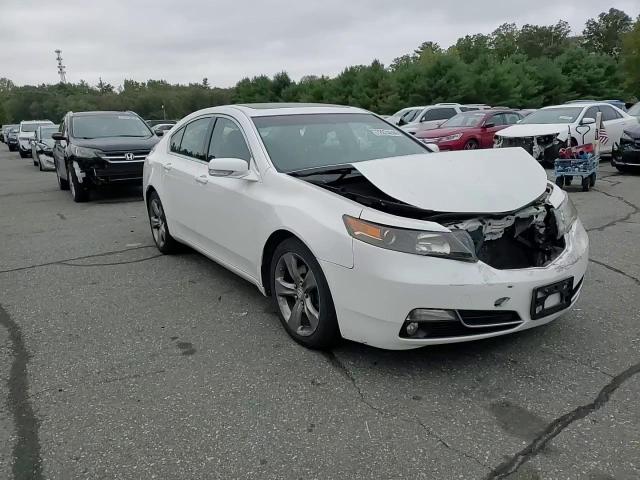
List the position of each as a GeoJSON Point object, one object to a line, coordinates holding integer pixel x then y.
{"type": "Point", "coordinates": [158, 222]}
{"type": "Point", "coordinates": [297, 294]}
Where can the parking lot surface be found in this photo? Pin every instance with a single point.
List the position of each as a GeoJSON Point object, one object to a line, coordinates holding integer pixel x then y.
{"type": "Point", "coordinates": [118, 362]}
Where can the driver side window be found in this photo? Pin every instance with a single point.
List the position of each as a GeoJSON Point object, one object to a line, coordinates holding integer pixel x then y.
{"type": "Point", "coordinates": [227, 141]}
{"type": "Point", "coordinates": [591, 112]}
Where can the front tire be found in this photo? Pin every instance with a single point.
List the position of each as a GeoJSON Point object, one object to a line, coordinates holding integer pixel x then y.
{"type": "Point", "coordinates": [302, 297]}
{"type": "Point", "coordinates": [159, 226]}
{"type": "Point", "coordinates": [471, 144]}
{"type": "Point", "coordinates": [79, 192]}
{"type": "Point", "coordinates": [23, 154]}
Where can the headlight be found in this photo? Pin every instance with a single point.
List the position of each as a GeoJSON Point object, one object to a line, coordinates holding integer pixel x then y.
{"type": "Point", "coordinates": [85, 152]}
{"type": "Point", "coordinates": [566, 215]}
{"type": "Point", "coordinates": [451, 138]}
{"type": "Point", "coordinates": [626, 139]}
{"type": "Point", "coordinates": [456, 245]}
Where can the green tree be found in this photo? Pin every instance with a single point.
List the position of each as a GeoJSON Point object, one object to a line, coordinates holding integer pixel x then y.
{"type": "Point", "coordinates": [630, 57]}
{"type": "Point", "coordinates": [543, 40]}
{"type": "Point", "coordinates": [604, 34]}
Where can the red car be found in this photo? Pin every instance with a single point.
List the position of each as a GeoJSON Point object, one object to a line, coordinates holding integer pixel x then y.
{"type": "Point", "coordinates": [470, 130]}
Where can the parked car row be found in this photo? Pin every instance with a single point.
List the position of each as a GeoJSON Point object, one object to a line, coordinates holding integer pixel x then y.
{"type": "Point", "coordinates": [350, 223]}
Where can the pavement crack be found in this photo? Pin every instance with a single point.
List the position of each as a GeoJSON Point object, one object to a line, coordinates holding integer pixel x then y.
{"type": "Point", "coordinates": [27, 463]}
{"type": "Point", "coordinates": [560, 424]}
{"type": "Point", "coordinates": [634, 210]}
{"type": "Point", "coordinates": [124, 262]}
{"type": "Point", "coordinates": [67, 260]}
{"type": "Point", "coordinates": [616, 270]}
{"type": "Point", "coordinates": [344, 371]}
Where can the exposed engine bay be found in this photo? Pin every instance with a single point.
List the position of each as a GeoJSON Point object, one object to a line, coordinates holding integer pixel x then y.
{"type": "Point", "coordinates": [543, 148]}
{"type": "Point", "coordinates": [524, 238]}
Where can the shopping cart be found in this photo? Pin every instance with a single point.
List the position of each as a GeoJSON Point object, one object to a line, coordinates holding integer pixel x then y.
{"type": "Point", "coordinates": [579, 161]}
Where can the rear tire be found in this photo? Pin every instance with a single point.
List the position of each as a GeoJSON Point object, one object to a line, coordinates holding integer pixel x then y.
{"type": "Point", "coordinates": [592, 179]}
{"type": "Point", "coordinates": [586, 184]}
{"type": "Point", "coordinates": [301, 295]}
{"type": "Point", "coordinates": [560, 182]}
{"type": "Point", "coordinates": [159, 226]}
{"type": "Point", "coordinates": [79, 192]}
{"type": "Point", "coordinates": [62, 183]}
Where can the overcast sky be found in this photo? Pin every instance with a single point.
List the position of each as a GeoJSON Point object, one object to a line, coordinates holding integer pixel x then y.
{"type": "Point", "coordinates": [184, 41]}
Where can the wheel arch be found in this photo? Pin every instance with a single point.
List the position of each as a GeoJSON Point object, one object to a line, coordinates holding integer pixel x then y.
{"type": "Point", "coordinates": [275, 239]}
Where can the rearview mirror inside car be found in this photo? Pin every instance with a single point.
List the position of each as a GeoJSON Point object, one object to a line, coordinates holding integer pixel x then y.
{"type": "Point", "coordinates": [229, 167]}
{"type": "Point", "coordinates": [588, 121]}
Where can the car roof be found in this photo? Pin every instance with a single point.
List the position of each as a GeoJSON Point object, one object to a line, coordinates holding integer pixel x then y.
{"type": "Point", "coordinates": [577, 105]}
{"type": "Point", "coordinates": [272, 109]}
{"type": "Point", "coordinates": [35, 121]}
{"type": "Point", "coordinates": [101, 112]}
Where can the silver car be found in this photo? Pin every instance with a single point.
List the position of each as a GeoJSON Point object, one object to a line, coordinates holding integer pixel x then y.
{"type": "Point", "coordinates": [41, 147]}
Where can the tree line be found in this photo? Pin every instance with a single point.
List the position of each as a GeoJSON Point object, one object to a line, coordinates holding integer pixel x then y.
{"type": "Point", "coordinates": [524, 67]}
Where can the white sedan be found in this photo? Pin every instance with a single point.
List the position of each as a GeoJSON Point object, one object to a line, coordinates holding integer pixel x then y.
{"type": "Point", "coordinates": [545, 131]}
{"type": "Point", "coordinates": [358, 231]}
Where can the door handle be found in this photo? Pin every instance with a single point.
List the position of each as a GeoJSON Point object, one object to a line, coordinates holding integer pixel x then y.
{"type": "Point", "coordinates": [202, 179]}
{"type": "Point", "coordinates": [167, 166]}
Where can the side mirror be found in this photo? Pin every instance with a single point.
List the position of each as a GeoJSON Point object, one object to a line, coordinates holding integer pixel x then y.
{"type": "Point", "coordinates": [489, 125]}
{"type": "Point", "coordinates": [588, 121]}
{"type": "Point", "coordinates": [159, 132]}
{"type": "Point", "coordinates": [58, 137]}
{"type": "Point", "coordinates": [433, 147]}
{"type": "Point", "coordinates": [401, 122]}
{"type": "Point", "coordinates": [229, 167]}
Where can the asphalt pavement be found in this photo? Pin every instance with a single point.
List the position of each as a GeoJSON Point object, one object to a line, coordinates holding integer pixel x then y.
{"type": "Point", "coordinates": [118, 362]}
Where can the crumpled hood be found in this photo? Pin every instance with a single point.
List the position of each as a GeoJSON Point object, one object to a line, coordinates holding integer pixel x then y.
{"type": "Point", "coordinates": [480, 181]}
{"type": "Point", "coordinates": [534, 129]}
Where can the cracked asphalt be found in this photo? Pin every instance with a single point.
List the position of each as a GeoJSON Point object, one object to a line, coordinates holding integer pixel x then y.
{"type": "Point", "coordinates": [117, 362]}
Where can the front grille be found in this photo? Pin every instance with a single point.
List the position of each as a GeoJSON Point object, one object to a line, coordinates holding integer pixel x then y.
{"type": "Point", "coordinates": [120, 155]}
{"type": "Point", "coordinates": [524, 142]}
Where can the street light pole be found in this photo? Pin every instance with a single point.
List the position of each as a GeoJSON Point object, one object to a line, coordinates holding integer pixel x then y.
{"type": "Point", "coordinates": [164, 112]}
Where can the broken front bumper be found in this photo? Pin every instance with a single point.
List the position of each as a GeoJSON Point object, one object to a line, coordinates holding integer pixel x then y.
{"type": "Point", "coordinates": [373, 299]}
{"type": "Point", "coordinates": [544, 148]}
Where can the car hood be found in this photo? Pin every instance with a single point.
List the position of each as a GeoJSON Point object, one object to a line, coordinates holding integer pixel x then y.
{"type": "Point", "coordinates": [534, 129]}
{"type": "Point", "coordinates": [441, 132]}
{"type": "Point", "coordinates": [633, 131]}
{"type": "Point", "coordinates": [480, 181]}
{"type": "Point", "coordinates": [113, 144]}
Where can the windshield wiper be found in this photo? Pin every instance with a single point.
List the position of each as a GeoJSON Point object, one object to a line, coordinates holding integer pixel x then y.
{"type": "Point", "coordinates": [332, 170]}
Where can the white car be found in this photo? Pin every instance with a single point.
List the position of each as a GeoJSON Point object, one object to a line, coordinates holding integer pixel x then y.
{"type": "Point", "coordinates": [404, 116]}
{"type": "Point", "coordinates": [545, 131]}
{"type": "Point", "coordinates": [432, 116]}
{"type": "Point", "coordinates": [26, 133]}
{"type": "Point", "coordinates": [357, 230]}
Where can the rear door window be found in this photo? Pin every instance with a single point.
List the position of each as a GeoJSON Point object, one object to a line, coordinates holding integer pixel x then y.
{"type": "Point", "coordinates": [193, 140]}
{"type": "Point", "coordinates": [609, 113]}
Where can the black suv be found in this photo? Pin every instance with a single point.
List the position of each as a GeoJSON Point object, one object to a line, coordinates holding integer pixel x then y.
{"type": "Point", "coordinates": [100, 148]}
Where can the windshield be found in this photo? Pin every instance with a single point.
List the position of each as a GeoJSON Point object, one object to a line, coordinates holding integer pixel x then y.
{"type": "Point", "coordinates": [635, 110]}
{"type": "Point", "coordinates": [553, 115]}
{"type": "Point", "coordinates": [297, 142]}
{"type": "Point", "coordinates": [102, 126]}
{"type": "Point", "coordinates": [47, 132]}
{"type": "Point", "coordinates": [468, 119]}
{"type": "Point", "coordinates": [31, 127]}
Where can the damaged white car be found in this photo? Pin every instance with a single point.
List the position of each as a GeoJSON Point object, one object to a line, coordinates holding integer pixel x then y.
{"type": "Point", "coordinates": [546, 131]}
{"type": "Point", "coordinates": [357, 231]}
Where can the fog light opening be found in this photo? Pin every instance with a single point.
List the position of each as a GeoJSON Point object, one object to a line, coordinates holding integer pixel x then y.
{"type": "Point", "coordinates": [421, 321]}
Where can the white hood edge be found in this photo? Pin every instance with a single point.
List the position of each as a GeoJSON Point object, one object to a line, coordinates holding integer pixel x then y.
{"type": "Point", "coordinates": [480, 181]}
{"type": "Point", "coordinates": [534, 129]}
